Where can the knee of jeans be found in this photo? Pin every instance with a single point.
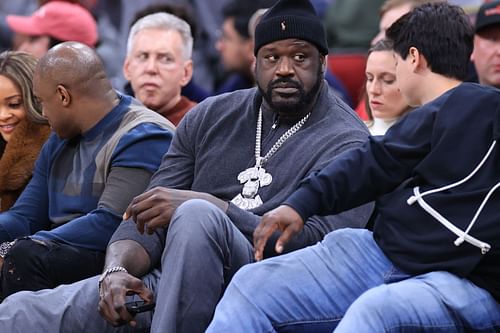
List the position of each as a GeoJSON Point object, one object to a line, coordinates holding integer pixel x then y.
{"type": "Point", "coordinates": [22, 248]}
{"type": "Point", "coordinates": [249, 278]}
{"type": "Point", "coordinates": [244, 273]}
{"type": "Point", "coordinates": [347, 235]}
{"type": "Point", "coordinates": [21, 254]}
{"type": "Point", "coordinates": [376, 300]}
{"type": "Point", "coordinates": [195, 214]}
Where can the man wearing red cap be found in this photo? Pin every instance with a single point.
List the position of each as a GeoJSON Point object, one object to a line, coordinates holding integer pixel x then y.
{"type": "Point", "coordinates": [51, 24]}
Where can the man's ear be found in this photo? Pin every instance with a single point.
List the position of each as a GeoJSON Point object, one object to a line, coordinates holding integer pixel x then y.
{"type": "Point", "coordinates": [63, 94]}
{"type": "Point", "coordinates": [324, 62]}
{"type": "Point", "coordinates": [473, 54]}
{"type": "Point", "coordinates": [126, 70]}
{"type": "Point", "coordinates": [417, 59]}
{"type": "Point", "coordinates": [249, 47]}
{"type": "Point", "coordinates": [188, 73]}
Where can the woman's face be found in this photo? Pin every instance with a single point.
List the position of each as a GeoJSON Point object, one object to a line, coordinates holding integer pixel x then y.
{"type": "Point", "coordinates": [11, 107]}
{"type": "Point", "coordinates": [385, 99]}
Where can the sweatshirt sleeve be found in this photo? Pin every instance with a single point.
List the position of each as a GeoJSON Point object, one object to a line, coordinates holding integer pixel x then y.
{"type": "Point", "coordinates": [362, 174]}
{"type": "Point", "coordinates": [94, 229]}
{"type": "Point", "coordinates": [129, 175]}
{"type": "Point", "coordinates": [176, 171]}
{"type": "Point", "coordinates": [315, 228]}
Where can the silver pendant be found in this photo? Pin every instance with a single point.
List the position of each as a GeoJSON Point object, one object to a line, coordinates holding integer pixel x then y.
{"type": "Point", "coordinates": [252, 179]}
{"type": "Point", "coordinates": [247, 203]}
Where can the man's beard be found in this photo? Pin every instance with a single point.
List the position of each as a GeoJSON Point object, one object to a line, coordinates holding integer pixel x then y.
{"type": "Point", "coordinates": [292, 107]}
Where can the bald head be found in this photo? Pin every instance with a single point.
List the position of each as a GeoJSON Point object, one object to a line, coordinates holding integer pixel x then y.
{"type": "Point", "coordinates": [75, 66]}
{"type": "Point", "coordinates": [73, 89]}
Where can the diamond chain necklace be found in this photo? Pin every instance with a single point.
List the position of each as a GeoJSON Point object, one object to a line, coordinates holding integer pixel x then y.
{"type": "Point", "coordinates": [260, 161]}
{"type": "Point", "coordinates": [253, 178]}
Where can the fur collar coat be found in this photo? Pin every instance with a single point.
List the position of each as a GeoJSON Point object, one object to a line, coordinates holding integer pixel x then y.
{"type": "Point", "coordinates": [18, 160]}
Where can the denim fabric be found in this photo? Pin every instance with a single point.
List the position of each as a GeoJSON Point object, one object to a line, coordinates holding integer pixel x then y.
{"type": "Point", "coordinates": [346, 284]}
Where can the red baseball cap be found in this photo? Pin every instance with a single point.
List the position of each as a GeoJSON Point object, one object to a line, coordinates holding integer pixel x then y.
{"type": "Point", "coordinates": [64, 21]}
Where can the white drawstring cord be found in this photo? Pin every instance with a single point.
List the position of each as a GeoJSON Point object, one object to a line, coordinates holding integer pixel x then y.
{"type": "Point", "coordinates": [411, 200]}
{"type": "Point", "coordinates": [460, 240]}
{"type": "Point", "coordinates": [462, 236]}
{"type": "Point", "coordinates": [485, 247]}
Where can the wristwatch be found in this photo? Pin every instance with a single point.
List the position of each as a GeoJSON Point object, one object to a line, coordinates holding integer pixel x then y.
{"type": "Point", "coordinates": [108, 271]}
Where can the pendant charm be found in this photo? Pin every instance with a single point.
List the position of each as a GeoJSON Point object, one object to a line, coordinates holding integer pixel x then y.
{"type": "Point", "coordinates": [252, 179]}
{"type": "Point", "coordinates": [247, 203]}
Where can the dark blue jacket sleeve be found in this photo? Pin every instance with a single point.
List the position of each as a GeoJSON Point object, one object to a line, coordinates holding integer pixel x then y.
{"type": "Point", "coordinates": [362, 174]}
{"type": "Point", "coordinates": [30, 212]}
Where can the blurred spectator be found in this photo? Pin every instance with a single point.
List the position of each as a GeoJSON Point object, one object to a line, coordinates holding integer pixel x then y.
{"type": "Point", "coordinates": [391, 10]}
{"type": "Point", "coordinates": [18, 7]}
{"type": "Point", "coordinates": [235, 46]}
{"type": "Point", "coordinates": [470, 6]}
{"type": "Point", "coordinates": [158, 63]}
{"type": "Point", "coordinates": [23, 129]}
{"type": "Point", "coordinates": [385, 102]}
{"type": "Point", "coordinates": [51, 24]}
{"type": "Point", "coordinates": [115, 17]}
{"type": "Point", "coordinates": [486, 53]}
{"type": "Point", "coordinates": [351, 24]}
{"type": "Point", "coordinates": [192, 90]}
{"type": "Point", "coordinates": [321, 6]}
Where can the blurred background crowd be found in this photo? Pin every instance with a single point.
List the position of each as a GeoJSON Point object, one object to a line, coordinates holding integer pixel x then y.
{"type": "Point", "coordinates": [223, 49]}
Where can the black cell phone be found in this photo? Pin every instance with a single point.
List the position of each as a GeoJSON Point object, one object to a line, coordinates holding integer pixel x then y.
{"type": "Point", "coordinates": [139, 306]}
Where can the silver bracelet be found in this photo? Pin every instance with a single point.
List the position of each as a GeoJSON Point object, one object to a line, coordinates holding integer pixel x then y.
{"type": "Point", "coordinates": [4, 248]}
{"type": "Point", "coordinates": [108, 271]}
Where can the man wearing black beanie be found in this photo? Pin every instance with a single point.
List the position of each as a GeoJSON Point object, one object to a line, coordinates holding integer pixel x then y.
{"type": "Point", "coordinates": [291, 19]}
{"type": "Point", "coordinates": [238, 155]}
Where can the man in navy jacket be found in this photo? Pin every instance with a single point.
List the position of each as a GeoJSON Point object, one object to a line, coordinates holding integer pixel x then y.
{"type": "Point", "coordinates": [431, 262]}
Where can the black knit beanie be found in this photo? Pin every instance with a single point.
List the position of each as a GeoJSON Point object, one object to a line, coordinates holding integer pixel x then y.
{"type": "Point", "coordinates": [291, 19]}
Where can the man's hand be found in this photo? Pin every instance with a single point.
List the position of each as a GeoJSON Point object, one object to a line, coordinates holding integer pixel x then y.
{"type": "Point", "coordinates": [113, 290]}
{"type": "Point", "coordinates": [154, 208]}
{"type": "Point", "coordinates": [283, 218]}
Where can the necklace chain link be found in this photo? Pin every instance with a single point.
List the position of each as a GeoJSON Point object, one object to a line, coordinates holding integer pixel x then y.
{"type": "Point", "coordinates": [260, 161]}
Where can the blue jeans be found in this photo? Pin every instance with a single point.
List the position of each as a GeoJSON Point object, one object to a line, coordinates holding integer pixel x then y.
{"type": "Point", "coordinates": [347, 284]}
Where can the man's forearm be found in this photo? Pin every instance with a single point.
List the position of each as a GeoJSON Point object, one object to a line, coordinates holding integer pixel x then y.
{"type": "Point", "coordinates": [221, 204]}
{"type": "Point", "coordinates": [130, 255]}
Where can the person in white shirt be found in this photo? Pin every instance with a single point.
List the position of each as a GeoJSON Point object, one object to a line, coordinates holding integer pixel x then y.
{"type": "Point", "coordinates": [385, 104]}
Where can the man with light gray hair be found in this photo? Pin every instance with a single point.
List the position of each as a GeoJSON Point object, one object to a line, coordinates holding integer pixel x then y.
{"type": "Point", "coordinates": [158, 64]}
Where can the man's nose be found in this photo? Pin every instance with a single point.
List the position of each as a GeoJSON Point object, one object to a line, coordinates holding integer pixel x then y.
{"type": "Point", "coordinates": [151, 65]}
{"type": "Point", "coordinates": [285, 67]}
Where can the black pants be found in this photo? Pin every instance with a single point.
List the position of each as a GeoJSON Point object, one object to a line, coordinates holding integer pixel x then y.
{"type": "Point", "coordinates": [34, 265]}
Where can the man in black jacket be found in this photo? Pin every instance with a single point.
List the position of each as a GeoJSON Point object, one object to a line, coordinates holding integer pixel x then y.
{"type": "Point", "coordinates": [431, 263]}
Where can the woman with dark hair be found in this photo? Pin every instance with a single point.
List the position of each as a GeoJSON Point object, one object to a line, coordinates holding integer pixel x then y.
{"type": "Point", "coordinates": [23, 129]}
{"type": "Point", "coordinates": [384, 102]}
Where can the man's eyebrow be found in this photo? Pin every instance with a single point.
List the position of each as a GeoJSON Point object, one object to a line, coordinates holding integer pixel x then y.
{"type": "Point", "coordinates": [301, 43]}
